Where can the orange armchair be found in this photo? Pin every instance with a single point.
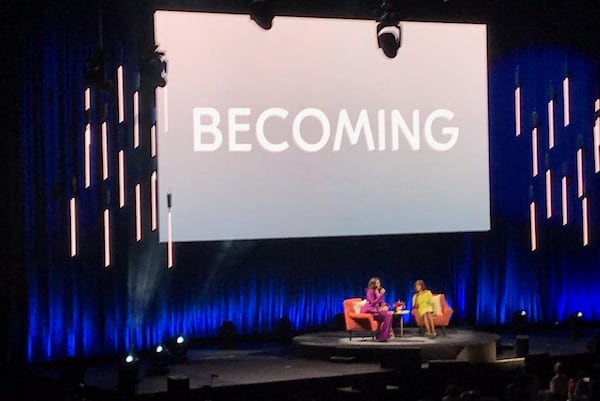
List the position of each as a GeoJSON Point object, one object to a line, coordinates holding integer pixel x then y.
{"type": "Point", "coordinates": [358, 321]}
{"type": "Point", "coordinates": [441, 319]}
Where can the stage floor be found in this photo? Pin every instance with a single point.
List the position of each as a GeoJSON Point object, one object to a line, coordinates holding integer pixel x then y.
{"type": "Point", "coordinates": [313, 357]}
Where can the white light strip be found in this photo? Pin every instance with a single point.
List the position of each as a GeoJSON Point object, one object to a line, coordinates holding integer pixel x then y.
{"type": "Point", "coordinates": [121, 178]}
{"type": "Point", "coordinates": [565, 215]}
{"type": "Point", "coordinates": [120, 91]}
{"type": "Point", "coordinates": [597, 146]}
{"type": "Point", "coordinates": [87, 99]}
{"type": "Point", "coordinates": [153, 140]}
{"type": "Point", "coordinates": [138, 213]}
{"type": "Point", "coordinates": [104, 151]}
{"type": "Point", "coordinates": [580, 172]}
{"type": "Point", "coordinates": [153, 212]}
{"type": "Point", "coordinates": [169, 242]}
{"type": "Point", "coordinates": [73, 225]}
{"type": "Point", "coordinates": [86, 155]}
{"type": "Point", "coordinates": [551, 124]}
{"type": "Point", "coordinates": [566, 111]}
{"type": "Point", "coordinates": [597, 137]}
{"type": "Point", "coordinates": [106, 238]}
{"type": "Point", "coordinates": [585, 222]}
{"type": "Point", "coordinates": [534, 151]}
{"type": "Point", "coordinates": [548, 193]}
{"type": "Point", "coordinates": [532, 226]}
{"type": "Point", "coordinates": [136, 119]}
{"type": "Point", "coordinates": [518, 111]}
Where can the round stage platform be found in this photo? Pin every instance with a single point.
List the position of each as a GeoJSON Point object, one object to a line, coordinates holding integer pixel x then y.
{"type": "Point", "coordinates": [457, 344]}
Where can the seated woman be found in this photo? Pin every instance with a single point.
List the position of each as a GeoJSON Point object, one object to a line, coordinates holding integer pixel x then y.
{"type": "Point", "coordinates": [422, 302]}
{"type": "Point", "coordinates": [378, 309]}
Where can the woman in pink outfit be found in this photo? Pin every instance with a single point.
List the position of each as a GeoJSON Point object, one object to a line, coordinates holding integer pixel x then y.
{"type": "Point", "coordinates": [378, 309]}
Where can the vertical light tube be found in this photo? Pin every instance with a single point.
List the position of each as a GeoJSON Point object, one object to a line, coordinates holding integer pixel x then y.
{"type": "Point", "coordinates": [534, 151]}
{"type": "Point", "coordinates": [580, 172]}
{"type": "Point", "coordinates": [551, 124]}
{"type": "Point", "coordinates": [565, 210]}
{"type": "Point", "coordinates": [120, 94]}
{"type": "Point", "coordinates": [73, 225]}
{"type": "Point", "coordinates": [597, 137]}
{"type": "Point", "coordinates": [566, 100]}
{"type": "Point", "coordinates": [104, 151]}
{"type": "Point", "coordinates": [153, 140]}
{"type": "Point", "coordinates": [548, 193]}
{"type": "Point", "coordinates": [106, 237]}
{"type": "Point", "coordinates": [597, 146]}
{"type": "Point", "coordinates": [518, 111]}
{"type": "Point", "coordinates": [532, 223]}
{"type": "Point", "coordinates": [153, 212]}
{"type": "Point", "coordinates": [169, 242]}
{"type": "Point", "coordinates": [86, 155]}
{"type": "Point", "coordinates": [87, 99]}
{"type": "Point", "coordinates": [138, 213]}
{"type": "Point", "coordinates": [121, 178]}
{"type": "Point", "coordinates": [585, 222]}
{"type": "Point", "coordinates": [136, 119]}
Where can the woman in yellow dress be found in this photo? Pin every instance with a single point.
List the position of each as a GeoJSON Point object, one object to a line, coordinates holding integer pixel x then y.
{"type": "Point", "coordinates": [422, 302]}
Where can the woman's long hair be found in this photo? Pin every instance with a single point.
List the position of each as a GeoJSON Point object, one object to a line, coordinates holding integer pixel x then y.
{"type": "Point", "coordinates": [373, 283]}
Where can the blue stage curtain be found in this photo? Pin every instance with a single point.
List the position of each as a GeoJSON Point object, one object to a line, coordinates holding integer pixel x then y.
{"type": "Point", "coordinates": [76, 307]}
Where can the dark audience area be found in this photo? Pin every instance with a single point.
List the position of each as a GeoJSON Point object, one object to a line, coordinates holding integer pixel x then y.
{"type": "Point", "coordinates": [534, 377]}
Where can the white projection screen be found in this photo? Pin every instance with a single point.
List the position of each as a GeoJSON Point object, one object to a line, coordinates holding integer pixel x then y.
{"type": "Point", "coordinates": [309, 130]}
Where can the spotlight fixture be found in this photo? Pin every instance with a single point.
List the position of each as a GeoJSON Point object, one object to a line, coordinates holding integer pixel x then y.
{"type": "Point", "coordinates": [128, 375]}
{"type": "Point", "coordinates": [389, 33]}
{"type": "Point", "coordinates": [179, 349]}
{"type": "Point", "coordinates": [160, 361]}
{"type": "Point", "coordinates": [153, 69]}
{"type": "Point", "coordinates": [261, 12]}
{"type": "Point", "coordinates": [519, 322]}
{"type": "Point", "coordinates": [575, 324]}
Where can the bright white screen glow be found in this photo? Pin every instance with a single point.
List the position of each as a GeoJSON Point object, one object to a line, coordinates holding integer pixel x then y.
{"type": "Point", "coordinates": [356, 143]}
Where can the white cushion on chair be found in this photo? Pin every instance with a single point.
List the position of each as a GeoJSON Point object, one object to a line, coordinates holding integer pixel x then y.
{"type": "Point", "coordinates": [358, 305]}
{"type": "Point", "coordinates": [437, 305]}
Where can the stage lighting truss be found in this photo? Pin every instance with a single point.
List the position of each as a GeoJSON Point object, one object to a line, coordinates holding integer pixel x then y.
{"type": "Point", "coordinates": [389, 33]}
{"type": "Point", "coordinates": [261, 12]}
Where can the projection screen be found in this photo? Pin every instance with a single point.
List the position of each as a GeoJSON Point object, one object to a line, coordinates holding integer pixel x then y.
{"type": "Point", "coordinates": [309, 130]}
